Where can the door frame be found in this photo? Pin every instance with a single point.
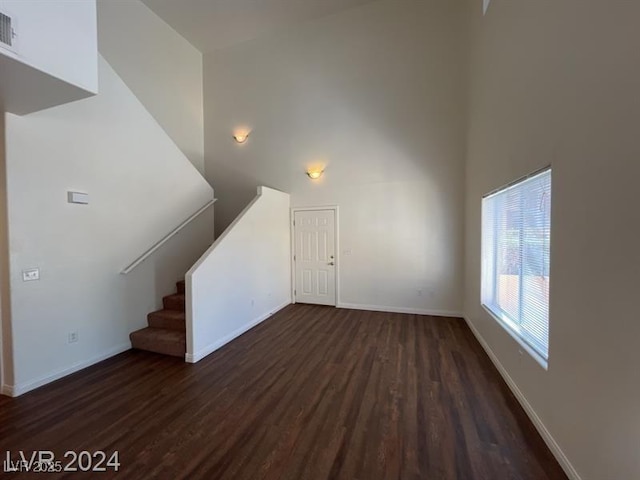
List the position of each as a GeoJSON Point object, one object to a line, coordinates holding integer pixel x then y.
{"type": "Point", "coordinates": [336, 231]}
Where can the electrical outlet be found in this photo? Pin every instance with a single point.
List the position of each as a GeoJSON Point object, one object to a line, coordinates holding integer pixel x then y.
{"type": "Point", "coordinates": [73, 337]}
{"type": "Point", "coordinates": [31, 275]}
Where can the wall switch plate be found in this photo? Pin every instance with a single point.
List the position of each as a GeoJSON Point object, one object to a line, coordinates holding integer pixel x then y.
{"type": "Point", "coordinates": [73, 337]}
{"type": "Point", "coordinates": [31, 275]}
{"type": "Point", "coordinates": [78, 197]}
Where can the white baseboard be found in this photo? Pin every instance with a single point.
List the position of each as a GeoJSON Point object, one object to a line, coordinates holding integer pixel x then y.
{"type": "Point", "coordinates": [17, 390]}
{"type": "Point", "coordinates": [7, 390]}
{"type": "Point", "coordinates": [209, 349]}
{"type": "Point", "coordinates": [414, 311]}
{"type": "Point", "coordinates": [531, 413]}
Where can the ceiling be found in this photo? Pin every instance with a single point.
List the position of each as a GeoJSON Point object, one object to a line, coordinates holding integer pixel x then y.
{"type": "Point", "coordinates": [214, 24]}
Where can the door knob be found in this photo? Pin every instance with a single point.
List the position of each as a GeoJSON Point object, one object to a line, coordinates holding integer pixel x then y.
{"type": "Point", "coordinates": [331, 263]}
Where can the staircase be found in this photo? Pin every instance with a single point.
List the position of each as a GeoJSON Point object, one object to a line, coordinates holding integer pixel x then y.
{"type": "Point", "coordinates": [166, 332]}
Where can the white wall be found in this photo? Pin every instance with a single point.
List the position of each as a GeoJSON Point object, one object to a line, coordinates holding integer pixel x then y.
{"type": "Point", "coordinates": [140, 185]}
{"type": "Point", "coordinates": [243, 278]}
{"type": "Point", "coordinates": [375, 93]}
{"type": "Point", "coordinates": [57, 37]}
{"type": "Point", "coordinates": [557, 83]}
{"type": "Point", "coordinates": [161, 68]}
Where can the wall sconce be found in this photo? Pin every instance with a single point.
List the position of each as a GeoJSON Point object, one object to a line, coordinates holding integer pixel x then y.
{"type": "Point", "coordinates": [241, 137]}
{"type": "Point", "coordinates": [314, 173]}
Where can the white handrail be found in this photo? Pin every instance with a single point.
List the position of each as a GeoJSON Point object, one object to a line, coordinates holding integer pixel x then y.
{"type": "Point", "coordinates": [158, 244]}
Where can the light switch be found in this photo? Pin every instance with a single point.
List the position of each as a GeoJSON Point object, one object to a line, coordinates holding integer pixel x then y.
{"type": "Point", "coordinates": [31, 275]}
{"type": "Point", "coordinates": [78, 197]}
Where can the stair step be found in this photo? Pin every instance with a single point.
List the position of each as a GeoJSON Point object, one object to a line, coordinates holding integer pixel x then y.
{"type": "Point", "coordinates": [167, 319]}
{"type": "Point", "coordinates": [160, 340]}
{"type": "Point", "coordinates": [181, 287]}
{"type": "Point", "coordinates": [174, 302]}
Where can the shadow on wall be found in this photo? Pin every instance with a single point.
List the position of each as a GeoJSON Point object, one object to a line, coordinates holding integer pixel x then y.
{"type": "Point", "coordinates": [156, 277]}
{"type": "Point", "coordinates": [6, 354]}
{"type": "Point", "coordinates": [234, 194]}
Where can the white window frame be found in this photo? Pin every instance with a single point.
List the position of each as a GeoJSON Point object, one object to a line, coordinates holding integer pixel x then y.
{"type": "Point", "coordinates": [501, 317]}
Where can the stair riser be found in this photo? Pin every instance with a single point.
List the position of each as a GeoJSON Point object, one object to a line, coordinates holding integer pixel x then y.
{"type": "Point", "coordinates": [173, 303]}
{"type": "Point", "coordinates": [164, 349]}
{"type": "Point", "coordinates": [173, 348]}
{"type": "Point", "coordinates": [158, 321]}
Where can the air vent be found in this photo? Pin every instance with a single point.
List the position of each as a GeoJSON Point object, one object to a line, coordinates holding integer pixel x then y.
{"type": "Point", "coordinates": [7, 34]}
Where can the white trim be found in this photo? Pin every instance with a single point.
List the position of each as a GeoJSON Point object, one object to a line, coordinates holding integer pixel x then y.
{"type": "Point", "coordinates": [165, 239]}
{"type": "Point", "coordinates": [414, 311]}
{"type": "Point", "coordinates": [531, 413]}
{"type": "Point", "coordinates": [292, 252]}
{"type": "Point", "coordinates": [16, 390]}
{"type": "Point", "coordinates": [337, 260]}
{"type": "Point", "coordinates": [7, 390]}
{"type": "Point", "coordinates": [209, 349]}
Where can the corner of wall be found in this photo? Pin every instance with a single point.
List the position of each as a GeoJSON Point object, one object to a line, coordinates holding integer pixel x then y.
{"type": "Point", "coordinates": [252, 252]}
{"type": "Point", "coordinates": [6, 342]}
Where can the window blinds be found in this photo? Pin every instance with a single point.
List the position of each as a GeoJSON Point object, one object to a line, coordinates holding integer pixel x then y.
{"type": "Point", "coordinates": [516, 233]}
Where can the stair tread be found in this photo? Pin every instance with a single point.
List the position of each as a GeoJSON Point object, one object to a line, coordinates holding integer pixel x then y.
{"type": "Point", "coordinates": [167, 319]}
{"type": "Point", "coordinates": [164, 334]}
{"type": "Point", "coordinates": [177, 296]}
{"type": "Point", "coordinates": [174, 314]}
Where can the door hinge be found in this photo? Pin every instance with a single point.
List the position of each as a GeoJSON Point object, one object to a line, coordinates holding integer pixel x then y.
{"type": "Point", "coordinates": [294, 258]}
{"type": "Point", "coordinates": [294, 223]}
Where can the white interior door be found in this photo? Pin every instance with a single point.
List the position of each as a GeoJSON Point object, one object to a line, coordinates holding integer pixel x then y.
{"type": "Point", "coordinates": [315, 256]}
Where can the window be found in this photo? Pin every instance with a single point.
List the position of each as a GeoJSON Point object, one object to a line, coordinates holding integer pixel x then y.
{"type": "Point", "coordinates": [516, 232]}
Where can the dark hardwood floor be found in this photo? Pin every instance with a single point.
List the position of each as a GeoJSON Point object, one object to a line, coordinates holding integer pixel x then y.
{"type": "Point", "coordinates": [312, 393]}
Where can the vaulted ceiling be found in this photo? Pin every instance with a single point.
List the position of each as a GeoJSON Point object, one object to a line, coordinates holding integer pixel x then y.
{"type": "Point", "coordinates": [214, 24]}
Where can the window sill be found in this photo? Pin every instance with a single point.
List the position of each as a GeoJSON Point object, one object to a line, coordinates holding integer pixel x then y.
{"type": "Point", "coordinates": [544, 363]}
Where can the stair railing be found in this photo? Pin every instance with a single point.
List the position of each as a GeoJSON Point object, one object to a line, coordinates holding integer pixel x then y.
{"type": "Point", "coordinates": [165, 239]}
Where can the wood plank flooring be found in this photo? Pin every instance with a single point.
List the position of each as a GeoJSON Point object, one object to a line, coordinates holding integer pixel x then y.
{"type": "Point", "coordinates": [312, 393]}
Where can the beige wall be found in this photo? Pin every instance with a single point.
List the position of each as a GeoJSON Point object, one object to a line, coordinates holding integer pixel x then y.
{"type": "Point", "coordinates": [376, 93]}
{"type": "Point", "coordinates": [161, 68]}
{"type": "Point", "coordinates": [557, 83]}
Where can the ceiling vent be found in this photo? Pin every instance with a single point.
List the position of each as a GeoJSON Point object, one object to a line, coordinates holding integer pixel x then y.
{"type": "Point", "coordinates": [7, 32]}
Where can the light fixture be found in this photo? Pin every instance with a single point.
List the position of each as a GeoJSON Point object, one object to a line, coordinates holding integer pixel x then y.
{"type": "Point", "coordinates": [315, 173]}
{"type": "Point", "coordinates": [241, 136]}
